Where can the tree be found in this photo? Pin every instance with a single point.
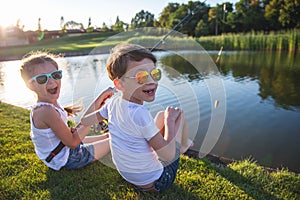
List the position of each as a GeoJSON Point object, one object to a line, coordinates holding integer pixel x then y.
{"type": "Point", "coordinates": [272, 15]}
{"type": "Point", "coordinates": [118, 26]}
{"type": "Point", "coordinates": [62, 25]}
{"type": "Point", "coordinates": [62, 22]}
{"type": "Point", "coordinates": [72, 25]}
{"type": "Point", "coordinates": [201, 29]}
{"type": "Point", "coordinates": [166, 16]}
{"type": "Point", "coordinates": [283, 14]}
{"type": "Point", "coordinates": [213, 19]}
{"type": "Point", "coordinates": [174, 13]}
{"type": "Point", "coordinates": [89, 28]}
{"type": "Point", "coordinates": [104, 27]}
{"type": "Point", "coordinates": [39, 25]}
{"type": "Point", "coordinates": [142, 19]}
{"type": "Point", "coordinates": [249, 15]}
{"type": "Point", "coordinates": [289, 13]}
{"type": "Point", "coordinates": [19, 24]}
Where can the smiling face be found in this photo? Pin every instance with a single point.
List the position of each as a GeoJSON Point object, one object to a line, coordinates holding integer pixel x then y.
{"type": "Point", "coordinates": [131, 89]}
{"type": "Point", "coordinates": [48, 92]}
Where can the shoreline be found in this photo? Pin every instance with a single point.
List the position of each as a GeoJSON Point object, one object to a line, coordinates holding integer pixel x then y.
{"type": "Point", "coordinates": [223, 161]}
{"type": "Point", "coordinates": [65, 54]}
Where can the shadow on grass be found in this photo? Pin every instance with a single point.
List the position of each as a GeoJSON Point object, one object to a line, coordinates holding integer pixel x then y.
{"type": "Point", "coordinates": [252, 185]}
{"type": "Point", "coordinates": [175, 192]}
{"type": "Point", "coordinates": [98, 181]}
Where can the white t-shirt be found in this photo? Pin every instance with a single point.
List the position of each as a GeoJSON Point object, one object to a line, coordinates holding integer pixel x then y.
{"type": "Point", "coordinates": [45, 140]}
{"type": "Point", "coordinates": [131, 126]}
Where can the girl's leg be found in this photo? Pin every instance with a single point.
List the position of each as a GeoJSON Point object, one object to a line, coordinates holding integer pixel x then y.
{"type": "Point", "coordinates": [91, 139]}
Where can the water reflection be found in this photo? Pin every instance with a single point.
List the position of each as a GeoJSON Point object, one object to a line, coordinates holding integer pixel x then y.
{"type": "Point", "coordinates": [277, 74]}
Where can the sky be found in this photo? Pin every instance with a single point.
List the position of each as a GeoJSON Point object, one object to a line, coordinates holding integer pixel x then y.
{"type": "Point", "coordinates": [51, 11]}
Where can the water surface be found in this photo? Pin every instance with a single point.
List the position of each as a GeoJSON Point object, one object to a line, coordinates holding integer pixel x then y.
{"type": "Point", "coordinates": [262, 98]}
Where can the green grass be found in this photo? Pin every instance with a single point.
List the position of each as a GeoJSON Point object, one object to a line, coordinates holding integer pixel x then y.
{"type": "Point", "coordinates": [63, 44]}
{"type": "Point", "coordinates": [24, 176]}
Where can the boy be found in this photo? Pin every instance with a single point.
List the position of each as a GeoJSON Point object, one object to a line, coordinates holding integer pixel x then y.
{"type": "Point", "coordinates": [144, 150]}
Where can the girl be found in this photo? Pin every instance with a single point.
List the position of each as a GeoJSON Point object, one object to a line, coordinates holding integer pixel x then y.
{"type": "Point", "coordinates": [55, 144]}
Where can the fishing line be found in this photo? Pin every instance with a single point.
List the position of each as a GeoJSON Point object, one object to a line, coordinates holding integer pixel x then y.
{"type": "Point", "coordinates": [189, 15]}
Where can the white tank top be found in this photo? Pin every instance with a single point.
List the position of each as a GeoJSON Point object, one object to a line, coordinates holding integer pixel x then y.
{"type": "Point", "coordinates": [45, 140]}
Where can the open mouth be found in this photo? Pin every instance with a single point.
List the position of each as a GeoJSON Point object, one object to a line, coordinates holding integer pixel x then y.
{"type": "Point", "coordinates": [52, 91]}
{"type": "Point", "coordinates": [149, 91]}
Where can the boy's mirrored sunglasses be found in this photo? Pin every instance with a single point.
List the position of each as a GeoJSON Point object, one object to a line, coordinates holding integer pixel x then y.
{"type": "Point", "coordinates": [42, 79]}
{"type": "Point", "coordinates": [142, 77]}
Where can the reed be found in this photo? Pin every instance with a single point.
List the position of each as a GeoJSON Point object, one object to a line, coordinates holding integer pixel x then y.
{"type": "Point", "coordinates": [288, 40]}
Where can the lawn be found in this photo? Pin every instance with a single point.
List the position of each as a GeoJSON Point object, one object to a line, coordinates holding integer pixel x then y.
{"type": "Point", "coordinates": [24, 176]}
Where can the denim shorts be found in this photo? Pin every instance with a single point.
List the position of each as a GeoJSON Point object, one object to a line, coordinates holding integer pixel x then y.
{"type": "Point", "coordinates": [81, 156]}
{"type": "Point", "coordinates": [167, 177]}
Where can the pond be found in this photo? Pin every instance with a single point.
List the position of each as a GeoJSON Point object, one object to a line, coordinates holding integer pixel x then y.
{"type": "Point", "coordinates": [247, 107]}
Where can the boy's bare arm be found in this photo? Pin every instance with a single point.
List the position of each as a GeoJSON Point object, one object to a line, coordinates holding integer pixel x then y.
{"type": "Point", "coordinates": [165, 146]}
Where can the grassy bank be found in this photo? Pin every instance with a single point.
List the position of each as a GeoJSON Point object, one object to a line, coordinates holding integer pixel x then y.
{"type": "Point", "coordinates": [24, 176]}
{"type": "Point", "coordinates": [83, 44]}
{"type": "Point", "coordinates": [66, 44]}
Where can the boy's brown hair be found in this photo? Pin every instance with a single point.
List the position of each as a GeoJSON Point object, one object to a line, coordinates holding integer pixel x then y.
{"type": "Point", "coordinates": [120, 55]}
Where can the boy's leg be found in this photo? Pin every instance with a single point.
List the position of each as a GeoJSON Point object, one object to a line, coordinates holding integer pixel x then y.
{"type": "Point", "coordinates": [159, 121]}
{"type": "Point", "coordinates": [182, 136]}
{"type": "Point", "coordinates": [101, 148]}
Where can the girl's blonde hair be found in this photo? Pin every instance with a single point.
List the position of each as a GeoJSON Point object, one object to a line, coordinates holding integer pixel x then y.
{"type": "Point", "coordinates": [30, 60]}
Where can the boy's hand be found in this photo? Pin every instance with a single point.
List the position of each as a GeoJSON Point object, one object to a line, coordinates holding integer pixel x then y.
{"type": "Point", "coordinates": [172, 114]}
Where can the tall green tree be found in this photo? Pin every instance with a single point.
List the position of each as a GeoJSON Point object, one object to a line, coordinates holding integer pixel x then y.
{"type": "Point", "coordinates": [72, 25]}
{"type": "Point", "coordinates": [62, 22]}
{"type": "Point", "coordinates": [90, 28]}
{"type": "Point", "coordinates": [104, 27]}
{"type": "Point", "coordinates": [198, 11]}
{"type": "Point", "coordinates": [142, 19]}
{"type": "Point", "coordinates": [283, 14]}
{"type": "Point", "coordinates": [118, 26]}
{"type": "Point", "coordinates": [167, 15]}
{"type": "Point", "coordinates": [201, 29]}
{"type": "Point", "coordinates": [174, 13]}
{"type": "Point", "coordinates": [272, 13]}
{"type": "Point", "coordinates": [249, 15]}
{"type": "Point", "coordinates": [290, 14]}
{"type": "Point", "coordinates": [39, 25]}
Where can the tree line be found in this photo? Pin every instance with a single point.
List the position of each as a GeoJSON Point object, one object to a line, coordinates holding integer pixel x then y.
{"type": "Point", "coordinates": [244, 16]}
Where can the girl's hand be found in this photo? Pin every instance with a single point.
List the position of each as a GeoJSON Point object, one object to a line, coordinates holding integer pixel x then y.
{"type": "Point", "coordinates": [99, 101]}
{"type": "Point", "coordinates": [73, 129]}
{"type": "Point", "coordinates": [109, 92]}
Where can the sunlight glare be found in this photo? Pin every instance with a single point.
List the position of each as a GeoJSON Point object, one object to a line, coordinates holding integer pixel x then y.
{"type": "Point", "coordinates": [12, 10]}
{"type": "Point", "coordinates": [13, 88]}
